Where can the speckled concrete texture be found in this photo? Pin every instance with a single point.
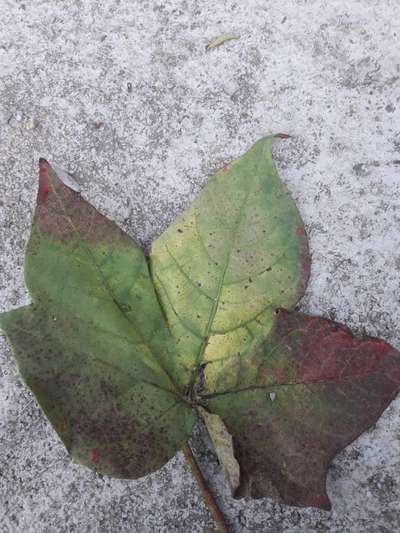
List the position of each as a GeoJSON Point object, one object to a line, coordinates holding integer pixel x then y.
{"type": "Point", "coordinates": [123, 94]}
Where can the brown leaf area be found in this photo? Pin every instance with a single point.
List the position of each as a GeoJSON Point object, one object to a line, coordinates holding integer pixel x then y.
{"type": "Point", "coordinates": [319, 388]}
{"type": "Point", "coordinates": [65, 215]}
{"type": "Point", "coordinates": [106, 420]}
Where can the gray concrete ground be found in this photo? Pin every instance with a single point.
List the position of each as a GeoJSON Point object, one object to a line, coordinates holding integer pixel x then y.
{"type": "Point", "coordinates": [327, 72]}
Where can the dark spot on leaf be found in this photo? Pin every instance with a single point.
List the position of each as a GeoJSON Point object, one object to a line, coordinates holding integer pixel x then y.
{"type": "Point", "coordinates": [94, 456]}
{"type": "Point", "coordinates": [123, 306]}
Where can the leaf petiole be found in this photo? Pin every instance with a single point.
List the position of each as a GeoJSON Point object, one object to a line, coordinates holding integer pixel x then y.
{"type": "Point", "coordinates": [205, 490]}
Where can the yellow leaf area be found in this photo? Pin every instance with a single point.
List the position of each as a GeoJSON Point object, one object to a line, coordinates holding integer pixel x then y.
{"type": "Point", "coordinates": [224, 266]}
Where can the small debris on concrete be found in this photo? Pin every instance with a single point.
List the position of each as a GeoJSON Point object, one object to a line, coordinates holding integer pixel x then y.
{"type": "Point", "coordinates": [67, 178]}
{"type": "Point", "coordinates": [225, 37]}
{"type": "Point", "coordinates": [31, 123]}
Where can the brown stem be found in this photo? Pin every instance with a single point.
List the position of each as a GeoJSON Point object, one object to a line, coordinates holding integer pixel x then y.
{"type": "Point", "coordinates": [205, 491]}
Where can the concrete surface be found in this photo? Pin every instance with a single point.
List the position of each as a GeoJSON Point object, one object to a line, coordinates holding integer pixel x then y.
{"type": "Point", "coordinates": [328, 72]}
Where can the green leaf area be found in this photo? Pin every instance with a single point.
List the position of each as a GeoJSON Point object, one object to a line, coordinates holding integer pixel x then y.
{"type": "Point", "coordinates": [120, 349]}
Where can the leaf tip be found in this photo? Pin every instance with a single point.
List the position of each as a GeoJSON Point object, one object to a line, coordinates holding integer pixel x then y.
{"type": "Point", "coordinates": [44, 185]}
{"type": "Point", "coordinates": [282, 136]}
{"type": "Point", "coordinates": [325, 503]}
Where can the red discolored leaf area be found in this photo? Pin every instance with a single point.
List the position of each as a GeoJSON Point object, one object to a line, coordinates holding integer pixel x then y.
{"type": "Point", "coordinates": [44, 184]}
{"type": "Point", "coordinates": [94, 456]}
{"type": "Point", "coordinates": [325, 350]}
{"type": "Point", "coordinates": [316, 388]}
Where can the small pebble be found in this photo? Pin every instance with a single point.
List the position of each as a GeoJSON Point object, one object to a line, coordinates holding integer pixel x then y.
{"type": "Point", "coordinates": [31, 123]}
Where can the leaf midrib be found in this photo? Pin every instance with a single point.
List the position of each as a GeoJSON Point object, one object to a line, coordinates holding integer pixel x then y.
{"type": "Point", "coordinates": [110, 291]}
{"type": "Point", "coordinates": [217, 298]}
{"type": "Point", "coordinates": [323, 381]}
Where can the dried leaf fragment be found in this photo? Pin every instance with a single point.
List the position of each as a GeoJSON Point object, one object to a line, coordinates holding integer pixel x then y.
{"type": "Point", "coordinates": [67, 178]}
{"type": "Point", "coordinates": [223, 446]}
{"type": "Point", "coordinates": [221, 39]}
